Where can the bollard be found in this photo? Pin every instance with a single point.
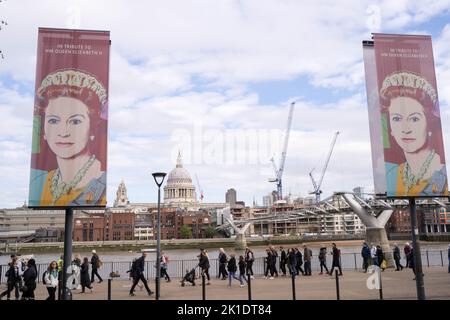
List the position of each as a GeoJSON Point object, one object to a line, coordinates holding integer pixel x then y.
{"type": "Point", "coordinates": [356, 267]}
{"type": "Point", "coordinates": [249, 285]}
{"type": "Point", "coordinates": [428, 260]}
{"type": "Point", "coordinates": [59, 289]}
{"type": "Point", "coordinates": [203, 287]}
{"type": "Point", "coordinates": [182, 268]}
{"type": "Point", "coordinates": [440, 251]}
{"type": "Point", "coordinates": [109, 289]}
{"type": "Point", "coordinates": [38, 276]}
{"type": "Point", "coordinates": [337, 285]}
{"type": "Point", "coordinates": [381, 288]}
{"type": "Point", "coordinates": [293, 285]}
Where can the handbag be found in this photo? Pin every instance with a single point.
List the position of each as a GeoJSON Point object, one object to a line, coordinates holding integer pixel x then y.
{"type": "Point", "coordinates": [383, 264]}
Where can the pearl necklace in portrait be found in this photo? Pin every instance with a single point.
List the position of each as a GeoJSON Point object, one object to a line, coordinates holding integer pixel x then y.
{"type": "Point", "coordinates": [409, 179]}
{"type": "Point", "coordinates": [58, 188]}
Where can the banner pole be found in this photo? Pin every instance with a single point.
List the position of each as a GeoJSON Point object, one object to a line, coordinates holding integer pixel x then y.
{"type": "Point", "coordinates": [68, 229]}
{"type": "Point", "coordinates": [416, 250]}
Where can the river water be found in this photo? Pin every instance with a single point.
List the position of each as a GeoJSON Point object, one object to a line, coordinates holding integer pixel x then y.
{"type": "Point", "coordinates": [349, 247]}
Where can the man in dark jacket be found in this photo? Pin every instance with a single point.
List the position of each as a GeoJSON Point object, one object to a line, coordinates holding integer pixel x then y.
{"type": "Point", "coordinates": [398, 265]}
{"type": "Point", "coordinates": [269, 263]}
{"type": "Point", "coordinates": [366, 255]}
{"type": "Point", "coordinates": [407, 249]}
{"type": "Point", "coordinates": [323, 259]}
{"type": "Point", "coordinates": [95, 262]}
{"type": "Point", "coordinates": [274, 262]}
{"type": "Point", "coordinates": [137, 271]}
{"type": "Point", "coordinates": [307, 255]}
{"type": "Point", "coordinates": [283, 261]}
{"type": "Point", "coordinates": [13, 280]}
{"type": "Point", "coordinates": [299, 262]}
{"type": "Point", "coordinates": [292, 262]}
{"type": "Point", "coordinates": [223, 264]}
{"type": "Point", "coordinates": [336, 260]}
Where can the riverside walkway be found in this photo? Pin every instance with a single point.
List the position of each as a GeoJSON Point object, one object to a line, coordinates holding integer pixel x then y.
{"type": "Point", "coordinates": [396, 285]}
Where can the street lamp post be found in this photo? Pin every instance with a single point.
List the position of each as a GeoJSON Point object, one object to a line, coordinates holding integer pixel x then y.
{"type": "Point", "coordinates": [159, 179]}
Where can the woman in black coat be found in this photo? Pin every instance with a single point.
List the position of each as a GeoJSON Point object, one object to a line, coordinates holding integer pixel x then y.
{"type": "Point", "coordinates": [29, 280]}
{"type": "Point", "coordinates": [203, 264]}
{"type": "Point", "coordinates": [85, 281]}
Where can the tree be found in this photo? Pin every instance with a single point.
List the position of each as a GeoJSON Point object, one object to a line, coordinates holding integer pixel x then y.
{"type": "Point", "coordinates": [210, 232]}
{"type": "Point", "coordinates": [186, 232]}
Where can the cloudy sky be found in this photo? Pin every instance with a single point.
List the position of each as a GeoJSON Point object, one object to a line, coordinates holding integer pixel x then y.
{"type": "Point", "coordinates": [215, 80]}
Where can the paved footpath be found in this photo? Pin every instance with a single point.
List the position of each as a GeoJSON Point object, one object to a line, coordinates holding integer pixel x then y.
{"type": "Point", "coordinates": [396, 285]}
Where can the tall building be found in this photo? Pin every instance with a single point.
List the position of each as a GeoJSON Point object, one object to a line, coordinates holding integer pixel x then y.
{"type": "Point", "coordinates": [359, 192]}
{"type": "Point", "coordinates": [268, 200]}
{"type": "Point", "coordinates": [179, 190]}
{"type": "Point", "coordinates": [230, 197]}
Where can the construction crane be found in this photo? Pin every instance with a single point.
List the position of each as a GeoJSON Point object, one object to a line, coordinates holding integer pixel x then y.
{"type": "Point", "coordinates": [199, 188]}
{"type": "Point", "coordinates": [279, 171]}
{"type": "Point", "coordinates": [316, 185]}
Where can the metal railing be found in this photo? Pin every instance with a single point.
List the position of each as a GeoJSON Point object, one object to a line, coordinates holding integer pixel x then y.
{"type": "Point", "coordinates": [178, 268]}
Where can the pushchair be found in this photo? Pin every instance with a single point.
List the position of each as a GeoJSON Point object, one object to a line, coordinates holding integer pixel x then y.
{"type": "Point", "coordinates": [189, 277]}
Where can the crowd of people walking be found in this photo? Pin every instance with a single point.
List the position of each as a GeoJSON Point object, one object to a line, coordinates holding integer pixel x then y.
{"type": "Point", "coordinates": [22, 275]}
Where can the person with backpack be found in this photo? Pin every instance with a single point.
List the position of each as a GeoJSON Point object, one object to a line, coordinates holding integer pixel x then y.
{"type": "Point", "coordinates": [85, 280]}
{"type": "Point", "coordinates": [323, 259]}
{"type": "Point", "coordinates": [96, 264]}
{"type": "Point", "coordinates": [307, 255]}
{"type": "Point", "coordinates": [29, 280]}
{"type": "Point", "coordinates": [164, 265]}
{"type": "Point", "coordinates": [137, 271]}
{"type": "Point", "coordinates": [366, 255]}
{"type": "Point", "coordinates": [249, 259]}
{"type": "Point", "coordinates": [50, 280]}
{"type": "Point", "coordinates": [13, 280]}
{"type": "Point", "coordinates": [336, 260]}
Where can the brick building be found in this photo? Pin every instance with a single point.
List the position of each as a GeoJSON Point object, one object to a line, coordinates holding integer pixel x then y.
{"type": "Point", "coordinates": [119, 224]}
{"type": "Point", "coordinates": [197, 221]}
{"type": "Point", "coordinates": [89, 226]}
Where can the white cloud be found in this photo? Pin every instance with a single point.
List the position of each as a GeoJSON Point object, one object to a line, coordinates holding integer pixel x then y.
{"type": "Point", "coordinates": [178, 65]}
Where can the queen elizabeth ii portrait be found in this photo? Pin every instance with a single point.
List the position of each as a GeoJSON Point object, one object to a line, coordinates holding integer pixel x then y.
{"type": "Point", "coordinates": [68, 165]}
{"type": "Point", "coordinates": [413, 145]}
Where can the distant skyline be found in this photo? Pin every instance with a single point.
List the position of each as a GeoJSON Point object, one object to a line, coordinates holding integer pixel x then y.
{"type": "Point", "coordinates": [214, 79]}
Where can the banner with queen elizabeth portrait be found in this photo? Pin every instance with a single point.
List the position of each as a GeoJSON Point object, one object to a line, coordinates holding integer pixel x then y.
{"type": "Point", "coordinates": [68, 158]}
{"type": "Point", "coordinates": [404, 118]}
